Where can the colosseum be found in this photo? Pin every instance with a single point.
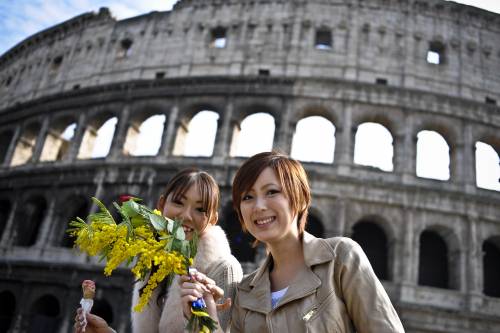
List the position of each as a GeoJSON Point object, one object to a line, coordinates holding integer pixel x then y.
{"type": "Point", "coordinates": [401, 66]}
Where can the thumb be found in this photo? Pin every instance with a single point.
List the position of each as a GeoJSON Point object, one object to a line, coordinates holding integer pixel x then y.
{"type": "Point", "coordinates": [224, 306]}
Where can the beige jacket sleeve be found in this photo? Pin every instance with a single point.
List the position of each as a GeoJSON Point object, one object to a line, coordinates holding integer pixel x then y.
{"type": "Point", "coordinates": [367, 302]}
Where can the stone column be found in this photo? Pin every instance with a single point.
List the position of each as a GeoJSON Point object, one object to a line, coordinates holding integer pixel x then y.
{"type": "Point", "coordinates": [76, 141]}
{"type": "Point", "coordinates": [40, 140]}
{"type": "Point", "coordinates": [344, 148]}
{"type": "Point", "coordinates": [162, 152]}
{"type": "Point", "coordinates": [171, 132]}
{"type": "Point", "coordinates": [223, 136]}
{"type": "Point", "coordinates": [408, 269]}
{"type": "Point", "coordinates": [406, 156]}
{"type": "Point", "coordinates": [6, 238]}
{"type": "Point", "coordinates": [12, 146]}
{"type": "Point", "coordinates": [467, 160]}
{"type": "Point", "coordinates": [116, 150]}
{"type": "Point", "coordinates": [45, 228]}
{"type": "Point", "coordinates": [283, 135]}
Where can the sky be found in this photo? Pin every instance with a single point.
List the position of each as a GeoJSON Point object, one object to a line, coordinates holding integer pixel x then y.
{"type": "Point", "coordinates": [20, 19]}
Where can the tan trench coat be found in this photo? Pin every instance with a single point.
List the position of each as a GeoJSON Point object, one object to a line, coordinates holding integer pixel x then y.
{"type": "Point", "coordinates": [338, 292]}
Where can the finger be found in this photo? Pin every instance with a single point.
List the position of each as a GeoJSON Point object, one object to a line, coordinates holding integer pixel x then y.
{"type": "Point", "coordinates": [200, 277]}
{"type": "Point", "coordinates": [191, 292]}
{"type": "Point", "coordinates": [194, 286]}
{"type": "Point", "coordinates": [184, 278]}
{"type": "Point", "coordinates": [216, 291]}
{"type": "Point", "coordinates": [224, 306]}
{"type": "Point", "coordinates": [189, 298]}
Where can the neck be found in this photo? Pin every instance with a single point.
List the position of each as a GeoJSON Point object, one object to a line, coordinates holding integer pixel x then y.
{"type": "Point", "coordinates": [288, 260]}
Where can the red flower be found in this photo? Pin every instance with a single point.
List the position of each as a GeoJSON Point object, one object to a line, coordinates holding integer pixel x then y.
{"type": "Point", "coordinates": [125, 197]}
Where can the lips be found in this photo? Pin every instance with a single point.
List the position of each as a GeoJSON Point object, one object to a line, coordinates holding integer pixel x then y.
{"type": "Point", "coordinates": [265, 220]}
{"type": "Point", "coordinates": [187, 228]}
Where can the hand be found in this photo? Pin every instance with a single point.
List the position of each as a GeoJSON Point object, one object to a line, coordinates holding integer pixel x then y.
{"type": "Point", "coordinates": [95, 324]}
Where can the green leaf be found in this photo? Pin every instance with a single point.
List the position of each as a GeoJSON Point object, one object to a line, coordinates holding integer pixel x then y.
{"type": "Point", "coordinates": [131, 208]}
{"type": "Point", "coordinates": [103, 215]}
{"type": "Point", "coordinates": [158, 222]}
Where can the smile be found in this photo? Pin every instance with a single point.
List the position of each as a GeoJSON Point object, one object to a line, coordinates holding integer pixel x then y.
{"type": "Point", "coordinates": [265, 221]}
{"type": "Point", "coordinates": [187, 229]}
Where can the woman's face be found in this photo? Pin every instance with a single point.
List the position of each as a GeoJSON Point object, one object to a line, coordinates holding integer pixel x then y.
{"type": "Point", "coordinates": [189, 209]}
{"type": "Point", "coordinates": [266, 211]}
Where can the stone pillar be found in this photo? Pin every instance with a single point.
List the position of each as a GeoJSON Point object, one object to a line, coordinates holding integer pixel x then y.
{"type": "Point", "coordinates": [45, 228]}
{"type": "Point", "coordinates": [6, 238]}
{"type": "Point", "coordinates": [467, 160]}
{"type": "Point", "coordinates": [162, 152]}
{"type": "Point", "coordinates": [116, 150]}
{"type": "Point", "coordinates": [40, 141]}
{"type": "Point", "coordinates": [283, 135]}
{"type": "Point", "coordinates": [406, 156]}
{"type": "Point", "coordinates": [171, 132]}
{"type": "Point", "coordinates": [408, 269]}
{"type": "Point", "coordinates": [76, 141]}
{"type": "Point", "coordinates": [223, 136]}
{"type": "Point", "coordinates": [12, 147]}
{"type": "Point", "coordinates": [344, 148]}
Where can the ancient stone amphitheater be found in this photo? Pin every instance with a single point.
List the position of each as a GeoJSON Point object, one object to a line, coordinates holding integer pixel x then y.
{"type": "Point", "coordinates": [406, 66]}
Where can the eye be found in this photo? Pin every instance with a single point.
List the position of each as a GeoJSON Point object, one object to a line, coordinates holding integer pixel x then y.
{"type": "Point", "coordinates": [246, 197]}
{"type": "Point", "coordinates": [201, 210]}
{"type": "Point", "coordinates": [177, 202]}
{"type": "Point", "coordinates": [272, 192]}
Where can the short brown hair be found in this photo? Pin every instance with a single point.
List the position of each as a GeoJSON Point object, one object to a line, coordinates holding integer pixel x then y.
{"type": "Point", "coordinates": [291, 175]}
{"type": "Point", "coordinates": [209, 190]}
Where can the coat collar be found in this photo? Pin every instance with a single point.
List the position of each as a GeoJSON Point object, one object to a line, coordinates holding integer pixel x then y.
{"type": "Point", "coordinates": [316, 251]}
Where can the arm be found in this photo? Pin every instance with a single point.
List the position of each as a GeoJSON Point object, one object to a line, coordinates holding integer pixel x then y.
{"type": "Point", "coordinates": [367, 302]}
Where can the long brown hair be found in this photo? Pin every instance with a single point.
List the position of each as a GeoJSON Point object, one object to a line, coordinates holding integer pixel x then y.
{"type": "Point", "coordinates": [291, 175]}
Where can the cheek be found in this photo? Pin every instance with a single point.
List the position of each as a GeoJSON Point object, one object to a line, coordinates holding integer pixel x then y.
{"type": "Point", "coordinates": [170, 211]}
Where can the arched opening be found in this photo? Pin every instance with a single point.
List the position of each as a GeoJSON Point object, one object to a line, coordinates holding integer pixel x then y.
{"type": "Point", "coordinates": [7, 310]}
{"type": "Point", "coordinates": [5, 208]}
{"type": "Point", "coordinates": [314, 132]}
{"type": "Point", "coordinates": [45, 313]}
{"type": "Point", "coordinates": [145, 139]}
{"type": "Point", "coordinates": [198, 137]}
{"type": "Point", "coordinates": [487, 167]}
{"type": "Point", "coordinates": [97, 139]}
{"type": "Point", "coordinates": [240, 241]}
{"type": "Point", "coordinates": [25, 145]}
{"type": "Point", "coordinates": [373, 146]}
{"type": "Point", "coordinates": [58, 140]}
{"type": "Point", "coordinates": [315, 227]}
{"type": "Point", "coordinates": [491, 267]}
{"type": "Point", "coordinates": [5, 140]}
{"type": "Point", "coordinates": [103, 309]}
{"type": "Point", "coordinates": [78, 207]}
{"type": "Point", "coordinates": [433, 156]}
{"type": "Point", "coordinates": [373, 241]}
{"type": "Point", "coordinates": [29, 219]}
{"type": "Point", "coordinates": [433, 261]}
{"type": "Point", "coordinates": [254, 135]}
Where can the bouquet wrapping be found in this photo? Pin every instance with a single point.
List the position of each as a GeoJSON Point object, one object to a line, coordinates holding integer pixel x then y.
{"type": "Point", "coordinates": [153, 246]}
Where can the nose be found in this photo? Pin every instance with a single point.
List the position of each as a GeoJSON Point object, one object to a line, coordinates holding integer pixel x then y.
{"type": "Point", "coordinates": [260, 203]}
{"type": "Point", "coordinates": [185, 215]}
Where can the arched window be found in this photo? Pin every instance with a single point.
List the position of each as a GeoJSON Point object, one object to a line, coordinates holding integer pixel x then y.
{"type": "Point", "coordinates": [145, 140]}
{"type": "Point", "coordinates": [57, 141]}
{"type": "Point", "coordinates": [45, 313]}
{"type": "Point", "coordinates": [433, 260]}
{"type": "Point", "coordinates": [240, 241]}
{"type": "Point", "coordinates": [97, 139]}
{"type": "Point", "coordinates": [373, 146]}
{"type": "Point", "coordinates": [4, 215]}
{"type": "Point", "coordinates": [5, 139]}
{"type": "Point", "coordinates": [7, 310]}
{"type": "Point", "coordinates": [491, 267]}
{"type": "Point", "coordinates": [314, 140]}
{"type": "Point", "coordinates": [103, 309]}
{"type": "Point", "coordinates": [315, 227]}
{"type": "Point", "coordinates": [255, 135]}
{"type": "Point", "coordinates": [77, 207]}
{"type": "Point", "coordinates": [374, 242]}
{"type": "Point", "coordinates": [487, 167]}
{"type": "Point", "coordinates": [433, 156]}
{"type": "Point", "coordinates": [198, 137]}
{"type": "Point", "coordinates": [26, 145]}
{"type": "Point", "coordinates": [29, 219]}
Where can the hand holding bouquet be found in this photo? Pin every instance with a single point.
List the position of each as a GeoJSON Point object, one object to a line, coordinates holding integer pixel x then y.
{"type": "Point", "coordinates": [155, 247]}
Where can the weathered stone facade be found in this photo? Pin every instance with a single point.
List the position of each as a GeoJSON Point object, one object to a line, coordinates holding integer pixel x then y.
{"type": "Point", "coordinates": [349, 61]}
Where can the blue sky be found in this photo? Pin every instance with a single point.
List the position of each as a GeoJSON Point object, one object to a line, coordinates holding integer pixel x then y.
{"type": "Point", "coordinates": [20, 19]}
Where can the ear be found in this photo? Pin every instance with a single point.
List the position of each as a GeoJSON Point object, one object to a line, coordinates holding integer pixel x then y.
{"type": "Point", "coordinates": [215, 219]}
{"type": "Point", "coordinates": [160, 203]}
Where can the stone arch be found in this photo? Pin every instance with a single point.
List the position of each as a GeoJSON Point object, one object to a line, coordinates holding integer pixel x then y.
{"type": "Point", "coordinates": [439, 258]}
{"type": "Point", "coordinates": [103, 309]}
{"type": "Point", "coordinates": [323, 137]}
{"type": "Point", "coordinates": [239, 240]}
{"type": "Point", "coordinates": [427, 140]}
{"type": "Point", "coordinates": [58, 139]}
{"type": "Point", "coordinates": [244, 130]}
{"type": "Point", "coordinates": [374, 241]}
{"type": "Point", "coordinates": [8, 308]}
{"type": "Point", "coordinates": [491, 267]}
{"type": "Point", "coordinates": [30, 216]}
{"type": "Point", "coordinates": [6, 137]}
{"type": "Point", "coordinates": [487, 166]}
{"type": "Point", "coordinates": [5, 210]}
{"type": "Point", "coordinates": [91, 135]}
{"type": "Point", "coordinates": [141, 115]}
{"type": "Point", "coordinates": [45, 313]}
{"type": "Point", "coordinates": [374, 138]}
{"type": "Point", "coordinates": [25, 145]}
{"type": "Point", "coordinates": [74, 206]}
